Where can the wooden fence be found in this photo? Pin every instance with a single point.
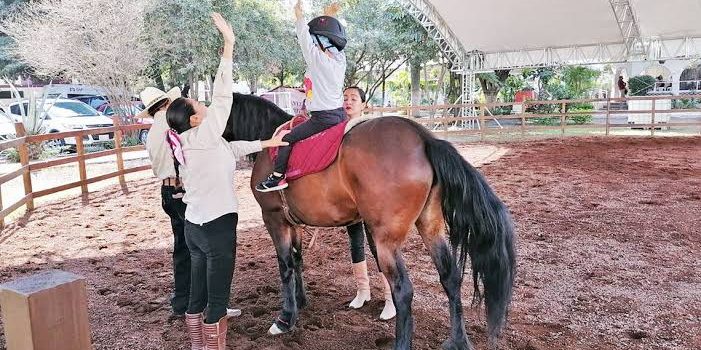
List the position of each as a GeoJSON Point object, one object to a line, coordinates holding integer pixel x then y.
{"type": "Point", "coordinates": [22, 145]}
{"type": "Point", "coordinates": [439, 119]}
{"type": "Point", "coordinates": [442, 119]}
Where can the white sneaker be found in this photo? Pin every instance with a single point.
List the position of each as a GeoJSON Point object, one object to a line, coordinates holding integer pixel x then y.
{"type": "Point", "coordinates": [233, 313]}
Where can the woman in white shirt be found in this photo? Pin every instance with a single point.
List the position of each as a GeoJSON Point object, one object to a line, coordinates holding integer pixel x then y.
{"type": "Point", "coordinates": [207, 164]}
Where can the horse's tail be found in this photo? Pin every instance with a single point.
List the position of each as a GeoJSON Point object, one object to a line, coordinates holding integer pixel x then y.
{"type": "Point", "coordinates": [478, 224]}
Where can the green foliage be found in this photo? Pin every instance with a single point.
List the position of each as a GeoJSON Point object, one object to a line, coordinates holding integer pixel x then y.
{"type": "Point", "coordinates": [127, 141]}
{"type": "Point", "coordinates": [579, 80]}
{"type": "Point", "coordinates": [381, 37]}
{"type": "Point", "coordinates": [11, 154]}
{"type": "Point", "coordinates": [581, 118]}
{"type": "Point", "coordinates": [512, 85]}
{"type": "Point", "coordinates": [640, 85]}
{"type": "Point", "coordinates": [692, 103]}
{"type": "Point", "coordinates": [9, 66]}
{"type": "Point", "coordinates": [183, 38]}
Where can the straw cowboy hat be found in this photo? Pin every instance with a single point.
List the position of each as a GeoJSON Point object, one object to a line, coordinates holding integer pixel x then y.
{"type": "Point", "coordinates": [151, 95]}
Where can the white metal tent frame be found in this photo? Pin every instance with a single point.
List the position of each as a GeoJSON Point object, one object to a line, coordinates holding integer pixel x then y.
{"type": "Point", "coordinates": [628, 46]}
{"type": "Point", "coordinates": [632, 46]}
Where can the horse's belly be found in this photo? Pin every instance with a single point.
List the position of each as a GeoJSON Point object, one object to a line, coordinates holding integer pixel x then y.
{"type": "Point", "coordinates": [320, 200]}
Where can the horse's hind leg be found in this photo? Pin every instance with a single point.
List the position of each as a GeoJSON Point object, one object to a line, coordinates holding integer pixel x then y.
{"type": "Point", "coordinates": [281, 233]}
{"type": "Point", "coordinates": [388, 244]}
{"type": "Point", "coordinates": [300, 293]}
{"type": "Point", "coordinates": [431, 227]}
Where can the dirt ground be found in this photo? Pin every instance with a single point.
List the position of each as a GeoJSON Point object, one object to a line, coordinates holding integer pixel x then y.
{"type": "Point", "coordinates": [609, 250]}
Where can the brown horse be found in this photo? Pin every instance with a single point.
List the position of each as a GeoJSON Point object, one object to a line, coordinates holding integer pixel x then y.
{"type": "Point", "coordinates": [393, 174]}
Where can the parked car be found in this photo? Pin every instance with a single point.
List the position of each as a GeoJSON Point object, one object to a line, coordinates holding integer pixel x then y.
{"type": "Point", "coordinates": [135, 111]}
{"type": "Point", "coordinates": [61, 115]}
{"type": "Point", "coordinates": [7, 127]}
{"type": "Point", "coordinates": [108, 109]}
{"type": "Point", "coordinates": [143, 134]}
{"type": "Point", "coordinates": [94, 101]}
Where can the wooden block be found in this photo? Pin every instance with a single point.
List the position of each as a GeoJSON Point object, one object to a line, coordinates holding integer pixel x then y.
{"type": "Point", "coordinates": [46, 311]}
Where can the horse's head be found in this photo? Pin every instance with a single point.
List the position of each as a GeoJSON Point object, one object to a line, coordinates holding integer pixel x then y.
{"type": "Point", "coordinates": [253, 118]}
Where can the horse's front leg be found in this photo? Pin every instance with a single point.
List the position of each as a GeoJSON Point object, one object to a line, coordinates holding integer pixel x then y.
{"type": "Point", "coordinates": [282, 235]}
{"type": "Point", "coordinates": [301, 294]}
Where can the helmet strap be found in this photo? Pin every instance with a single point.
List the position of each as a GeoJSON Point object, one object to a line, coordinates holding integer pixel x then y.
{"type": "Point", "coordinates": [321, 45]}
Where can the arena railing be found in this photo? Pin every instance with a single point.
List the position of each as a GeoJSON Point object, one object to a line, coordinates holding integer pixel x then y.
{"type": "Point", "coordinates": [22, 144]}
{"type": "Point", "coordinates": [475, 119]}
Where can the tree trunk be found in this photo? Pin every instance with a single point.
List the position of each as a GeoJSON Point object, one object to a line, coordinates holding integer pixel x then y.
{"type": "Point", "coordinates": [384, 101]}
{"type": "Point", "coordinates": [491, 88]}
{"type": "Point", "coordinates": [253, 84]}
{"type": "Point", "coordinates": [425, 94]}
{"type": "Point", "coordinates": [454, 81]}
{"type": "Point", "coordinates": [159, 80]}
{"type": "Point", "coordinates": [440, 84]}
{"type": "Point", "coordinates": [281, 76]}
{"type": "Point", "coordinates": [193, 85]}
{"type": "Point", "coordinates": [415, 72]}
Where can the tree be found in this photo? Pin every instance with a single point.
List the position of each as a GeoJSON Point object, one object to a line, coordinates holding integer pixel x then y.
{"type": "Point", "coordinates": [182, 40]}
{"type": "Point", "coordinates": [492, 83]}
{"type": "Point", "coordinates": [640, 85]}
{"type": "Point", "coordinates": [98, 42]}
{"type": "Point", "coordinates": [9, 65]}
{"type": "Point", "coordinates": [381, 44]}
{"type": "Point", "coordinates": [187, 43]}
{"type": "Point", "coordinates": [266, 42]}
{"type": "Point", "coordinates": [579, 80]}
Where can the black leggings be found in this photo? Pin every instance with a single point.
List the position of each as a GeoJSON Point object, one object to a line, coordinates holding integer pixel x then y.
{"type": "Point", "coordinates": [212, 252]}
{"type": "Point", "coordinates": [318, 122]}
{"type": "Point", "coordinates": [175, 208]}
{"type": "Point", "coordinates": [357, 243]}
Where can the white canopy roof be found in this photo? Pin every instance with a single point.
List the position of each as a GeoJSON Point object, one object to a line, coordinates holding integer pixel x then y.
{"type": "Point", "coordinates": [493, 34]}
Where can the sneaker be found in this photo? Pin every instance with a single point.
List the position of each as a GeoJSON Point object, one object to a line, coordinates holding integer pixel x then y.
{"type": "Point", "coordinates": [272, 183]}
{"type": "Point", "coordinates": [233, 313]}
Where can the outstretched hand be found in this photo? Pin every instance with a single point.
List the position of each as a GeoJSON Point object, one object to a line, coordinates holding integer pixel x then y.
{"type": "Point", "coordinates": [299, 13]}
{"type": "Point", "coordinates": [276, 141]}
{"type": "Point", "coordinates": [224, 28]}
{"type": "Point", "coordinates": [332, 9]}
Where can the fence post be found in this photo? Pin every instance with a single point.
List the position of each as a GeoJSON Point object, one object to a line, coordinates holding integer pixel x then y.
{"type": "Point", "coordinates": [562, 117]}
{"type": "Point", "coordinates": [483, 125]}
{"type": "Point", "coordinates": [80, 149]}
{"type": "Point", "coordinates": [23, 151]}
{"type": "Point", "coordinates": [652, 120]}
{"type": "Point", "coordinates": [46, 311]}
{"type": "Point", "coordinates": [608, 115]}
{"type": "Point", "coordinates": [2, 218]}
{"type": "Point", "coordinates": [118, 148]}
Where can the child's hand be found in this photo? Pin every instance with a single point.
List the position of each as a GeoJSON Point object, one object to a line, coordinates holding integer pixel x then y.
{"type": "Point", "coordinates": [224, 28]}
{"type": "Point", "coordinates": [332, 9]}
{"type": "Point", "coordinates": [299, 13]}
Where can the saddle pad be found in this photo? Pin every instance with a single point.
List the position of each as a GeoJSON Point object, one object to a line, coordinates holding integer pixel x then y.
{"type": "Point", "coordinates": [312, 154]}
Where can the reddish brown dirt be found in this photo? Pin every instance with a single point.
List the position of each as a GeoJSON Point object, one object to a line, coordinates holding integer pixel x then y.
{"type": "Point", "coordinates": [608, 244]}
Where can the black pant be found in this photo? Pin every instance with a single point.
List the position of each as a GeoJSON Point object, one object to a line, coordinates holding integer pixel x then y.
{"type": "Point", "coordinates": [318, 122]}
{"type": "Point", "coordinates": [175, 208]}
{"type": "Point", "coordinates": [357, 243]}
{"type": "Point", "coordinates": [212, 251]}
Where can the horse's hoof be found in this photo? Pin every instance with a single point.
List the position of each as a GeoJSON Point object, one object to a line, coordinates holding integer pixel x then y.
{"type": "Point", "coordinates": [275, 330]}
{"type": "Point", "coordinates": [279, 328]}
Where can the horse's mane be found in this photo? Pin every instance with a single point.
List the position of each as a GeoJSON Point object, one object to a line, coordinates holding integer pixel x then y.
{"type": "Point", "coordinates": [253, 118]}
